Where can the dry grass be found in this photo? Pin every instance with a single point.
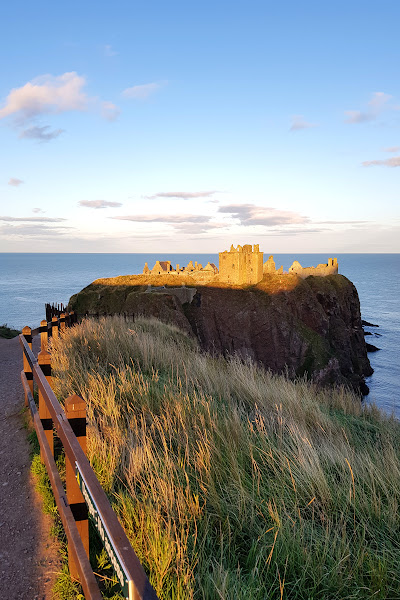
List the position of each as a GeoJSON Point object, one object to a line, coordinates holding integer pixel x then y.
{"type": "Point", "coordinates": [231, 482]}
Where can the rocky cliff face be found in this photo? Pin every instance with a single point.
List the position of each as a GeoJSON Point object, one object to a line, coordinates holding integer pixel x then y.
{"type": "Point", "coordinates": [309, 327]}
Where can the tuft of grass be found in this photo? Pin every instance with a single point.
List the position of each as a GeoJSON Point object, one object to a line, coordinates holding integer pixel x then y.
{"type": "Point", "coordinates": [232, 482]}
{"type": "Point", "coordinates": [8, 332]}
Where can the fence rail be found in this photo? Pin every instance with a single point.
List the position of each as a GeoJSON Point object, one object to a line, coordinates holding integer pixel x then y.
{"type": "Point", "coordinates": [83, 491]}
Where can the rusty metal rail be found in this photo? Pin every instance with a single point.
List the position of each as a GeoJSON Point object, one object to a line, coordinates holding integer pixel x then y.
{"type": "Point", "coordinates": [130, 573]}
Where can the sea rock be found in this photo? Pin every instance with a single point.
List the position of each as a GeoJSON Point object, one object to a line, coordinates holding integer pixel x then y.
{"type": "Point", "coordinates": [306, 327]}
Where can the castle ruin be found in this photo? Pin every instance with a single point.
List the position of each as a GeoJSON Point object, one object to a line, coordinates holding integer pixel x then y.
{"type": "Point", "coordinates": [243, 265]}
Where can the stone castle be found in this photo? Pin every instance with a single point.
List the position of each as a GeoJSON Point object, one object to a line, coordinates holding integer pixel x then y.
{"type": "Point", "coordinates": [243, 265]}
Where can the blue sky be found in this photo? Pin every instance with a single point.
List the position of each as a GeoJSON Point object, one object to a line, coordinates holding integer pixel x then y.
{"type": "Point", "coordinates": [182, 126]}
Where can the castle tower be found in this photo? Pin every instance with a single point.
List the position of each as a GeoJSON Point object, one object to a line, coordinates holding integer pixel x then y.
{"type": "Point", "coordinates": [241, 266]}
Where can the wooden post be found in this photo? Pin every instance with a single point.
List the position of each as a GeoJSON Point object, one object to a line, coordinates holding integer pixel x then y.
{"type": "Point", "coordinates": [44, 361]}
{"type": "Point", "coordinates": [62, 322]}
{"type": "Point", "coordinates": [54, 328]}
{"type": "Point", "coordinates": [72, 317]}
{"type": "Point", "coordinates": [43, 335]}
{"type": "Point", "coordinates": [75, 411]}
{"type": "Point", "coordinates": [27, 333]}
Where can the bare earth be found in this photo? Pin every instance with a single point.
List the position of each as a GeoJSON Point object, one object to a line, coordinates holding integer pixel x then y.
{"type": "Point", "coordinates": [28, 555]}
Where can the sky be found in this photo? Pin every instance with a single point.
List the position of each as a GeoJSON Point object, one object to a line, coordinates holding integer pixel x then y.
{"type": "Point", "coordinates": [188, 126]}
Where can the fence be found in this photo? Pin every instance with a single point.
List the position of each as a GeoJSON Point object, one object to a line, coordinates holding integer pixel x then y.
{"type": "Point", "coordinates": [83, 496]}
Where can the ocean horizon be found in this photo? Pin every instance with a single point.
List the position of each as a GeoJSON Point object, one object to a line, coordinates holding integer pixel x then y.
{"type": "Point", "coordinates": [29, 280]}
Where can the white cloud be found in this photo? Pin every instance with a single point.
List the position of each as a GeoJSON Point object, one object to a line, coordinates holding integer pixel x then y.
{"type": "Point", "coordinates": [376, 105]}
{"type": "Point", "coordinates": [14, 181]}
{"type": "Point", "coordinates": [164, 218]}
{"type": "Point", "coordinates": [32, 219]}
{"type": "Point", "coordinates": [394, 161]}
{"type": "Point", "coordinates": [35, 231]}
{"type": "Point", "coordinates": [250, 214]}
{"type": "Point", "coordinates": [109, 111]}
{"type": "Point", "coordinates": [141, 92]}
{"type": "Point", "coordinates": [299, 123]}
{"type": "Point", "coordinates": [184, 195]}
{"type": "Point", "coordinates": [42, 134]}
{"type": "Point", "coordinates": [37, 210]}
{"type": "Point", "coordinates": [392, 149]}
{"type": "Point", "coordinates": [109, 51]}
{"type": "Point", "coordinates": [99, 203]}
{"type": "Point", "coordinates": [47, 95]}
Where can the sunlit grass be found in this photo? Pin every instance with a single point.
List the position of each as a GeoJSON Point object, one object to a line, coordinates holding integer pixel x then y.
{"type": "Point", "coordinates": [231, 482]}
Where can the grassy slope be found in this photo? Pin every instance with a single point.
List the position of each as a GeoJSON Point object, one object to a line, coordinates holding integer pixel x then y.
{"type": "Point", "coordinates": [233, 483]}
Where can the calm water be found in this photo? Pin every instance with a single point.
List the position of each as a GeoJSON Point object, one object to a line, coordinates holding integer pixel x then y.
{"type": "Point", "coordinates": [28, 281]}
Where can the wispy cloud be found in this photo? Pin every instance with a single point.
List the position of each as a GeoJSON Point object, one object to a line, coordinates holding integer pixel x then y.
{"type": "Point", "coordinates": [99, 204]}
{"type": "Point", "coordinates": [109, 51]}
{"type": "Point", "coordinates": [34, 231]}
{"type": "Point", "coordinates": [250, 214]}
{"type": "Point", "coordinates": [298, 123]}
{"type": "Point", "coordinates": [394, 161]}
{"type": "Point", "coordinates": [37, 210]}
{"type": "Point", "coordinates": [183, 224]}
{"type": "Point", "coordinates": [32, 219]}
{"type": "Point", "coordinates": [110, 111]}
{"type": "Point", "coordinates": [142, 92]}
{"type": "Point", "coordinates": [392, 149]}
{"type": "Point", "coordinates": [184, 195]}
{"type": "Point", "coordinates": [164, 218]}
{"type": "Point", "coordinates": [14, 181]}
{"type": "Point", "coordinates": [42, 134]}
{"type": "Point", "coordinates": [376, 105]}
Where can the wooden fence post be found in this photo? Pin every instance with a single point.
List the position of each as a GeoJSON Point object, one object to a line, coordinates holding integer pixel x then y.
{"type": "Point", "coordinates": [75, 411]}
{"type": "Point", "coordinates": [62, 321]}
{"type": "Point", "coordinates": [54, 328]}
{"type": "Point", "coordinates": [44, 361]}
{"type": "Point", "coordinates": [27, 333]}
{"type": "Point", "coordinates": [43, 335]}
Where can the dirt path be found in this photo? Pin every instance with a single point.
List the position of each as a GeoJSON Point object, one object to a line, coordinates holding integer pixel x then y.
{"type": "Point", "coordinates": [28, 555]}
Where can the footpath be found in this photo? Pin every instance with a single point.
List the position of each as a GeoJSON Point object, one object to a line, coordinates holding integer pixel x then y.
{"type": "Point", "coordinates": [28, 554]}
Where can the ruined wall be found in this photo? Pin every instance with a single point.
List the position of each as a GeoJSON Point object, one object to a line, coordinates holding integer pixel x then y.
{"type": "Point", "coordinates": [331, 268]}
{"type": "Point", "coordinates": [241, 265]}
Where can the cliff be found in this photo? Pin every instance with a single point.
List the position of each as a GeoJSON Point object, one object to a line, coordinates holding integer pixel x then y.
{"type": "Point", "coordinates": [308, 327]}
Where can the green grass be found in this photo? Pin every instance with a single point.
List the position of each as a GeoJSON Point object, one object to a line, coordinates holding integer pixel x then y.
{"type": "Point", "coordinates": [231, 482]}
{"type": "Point", "coordinates": [7, 332]}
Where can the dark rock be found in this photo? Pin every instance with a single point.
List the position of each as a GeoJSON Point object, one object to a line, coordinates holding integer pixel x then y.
{"type": "Point", "coordinates": [366, 324]}
{"type": "Point", "coordinates": [372, 348]}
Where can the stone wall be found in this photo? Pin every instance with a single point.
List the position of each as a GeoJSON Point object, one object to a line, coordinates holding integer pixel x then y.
{"type": "Point", "coordinates": [241, 265]}
{"type": "Point", "coordinates": [321, 270]}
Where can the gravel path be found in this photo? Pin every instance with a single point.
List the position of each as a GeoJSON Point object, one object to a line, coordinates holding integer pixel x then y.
{"type": "Point", "coordinates": [28, 555]}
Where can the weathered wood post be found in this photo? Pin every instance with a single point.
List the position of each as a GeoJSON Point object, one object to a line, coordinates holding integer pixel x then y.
{"type": "Point", "coordinates": [72, 317]}
{"type": "Point", "coordinates": [43, 335]}
{"type": "Point", "coordinates": [27, 333]}
{"type": "Point", "coordinates": [54, 328]}
{"type": "Point", "coordinates": [75, 411]}
{"type": "Point", "coordinates": [62, 322]}
{"type": "Point", "coordinates": [44, 361]}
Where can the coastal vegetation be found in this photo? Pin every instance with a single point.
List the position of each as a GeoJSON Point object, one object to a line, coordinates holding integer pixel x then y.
{"type": "Point", "coordinates": [233, 482]}
{"type": "Point", "coordinates": [8, 332]}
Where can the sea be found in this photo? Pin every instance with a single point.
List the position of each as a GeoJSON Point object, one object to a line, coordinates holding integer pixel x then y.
{"type": "Point", "coordinates": [28, 281]}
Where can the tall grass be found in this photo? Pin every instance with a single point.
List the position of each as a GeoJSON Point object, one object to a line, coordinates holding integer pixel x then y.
{"type": "Point", "coordinates": [231, 482]}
